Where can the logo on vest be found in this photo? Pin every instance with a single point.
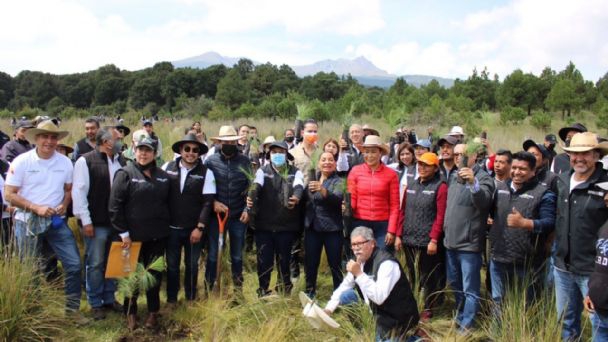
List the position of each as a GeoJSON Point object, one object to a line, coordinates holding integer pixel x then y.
{"type": "Point", "coordinates": [504, 192]}
{"type": "Point", "coordinates": [137, 180]}
{"type": "Point", "coordinates": [526, 196]}
{"type": "Point", "coordinates": [596, 193]}
{"type": "Point", "coordinates": [410, 191]}
{"type": "Point", "coordinates": [197, 176]}
{"type": "Point", "coordinates": [428, 192]}
{"type": "Point", "coordinates": [162, 179]}
{"type": "Point", "coordinates": [173, 173]}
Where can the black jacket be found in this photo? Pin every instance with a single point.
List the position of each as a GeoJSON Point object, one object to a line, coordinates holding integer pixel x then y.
{"type": "Point", "coordinates": [580, 214]}
{"type": "Point", "coordinates": [13, 148]}
{"type": "Point", "coordinates": [140, 205]}
{"type": "Point", "coordinates": [99, 186]}
{"type": "Point", "coordinates": [230, 181]}
{"type": "Point", "coordinates": [325, 214]}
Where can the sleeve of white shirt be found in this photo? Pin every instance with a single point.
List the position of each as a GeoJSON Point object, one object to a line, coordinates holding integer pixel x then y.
{"type": "Point", "coordinates": [209, 186]}
{"type": "Point", "coordinates": [70, 174]}
{"type": "Point", "coordinates": [342, 164]}
{"type": "Point", "coordinates": [16, 172]}
{"type": "Point", "coordinates": [377, 291]}
{"type": "Point", "coordinates": [347, 284]}
{"type": "Point", "coordinates": [80, 190]}
{"type": "Point", "coordinates": [164, 167]}
{"type": "Point", "coordinates": [259, 177]}
{"type": "Point", "coordinates": [298, 179]}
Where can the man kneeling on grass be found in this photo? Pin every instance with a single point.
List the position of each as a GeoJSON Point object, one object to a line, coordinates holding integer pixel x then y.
{"type": "Point", "coordinates": [379, 278]}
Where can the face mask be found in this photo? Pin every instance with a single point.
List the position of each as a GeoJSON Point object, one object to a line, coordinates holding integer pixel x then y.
{"type": "Point", "coordinates": [289, 139]}
{"type": "Point", "coordinates": [278, 159]}
{"type": "Point", "coordinates": [311, 138]}
{"type": "Point", "coordinates": [117, 147]}
{"type": "Point", "coordinates": [229, 150]}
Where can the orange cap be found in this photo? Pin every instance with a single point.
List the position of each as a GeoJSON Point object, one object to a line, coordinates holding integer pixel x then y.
{"type": "Point", "coordinates": [429, 158]}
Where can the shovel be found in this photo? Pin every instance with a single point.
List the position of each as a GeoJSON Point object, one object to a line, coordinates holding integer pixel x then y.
{"type": "Point", "coordinates": [220, 244]}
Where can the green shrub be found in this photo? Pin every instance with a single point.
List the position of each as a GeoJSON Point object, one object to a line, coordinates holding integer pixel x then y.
{"type": "Point", "coordinates": [30, 308]}
{"type": "Point", "coordinates": [514, 115]}
{"type": "Point", "coordinates": [541, 120]}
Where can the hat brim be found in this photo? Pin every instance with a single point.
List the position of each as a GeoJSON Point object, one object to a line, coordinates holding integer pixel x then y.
{"type": "Point", "coordinates": [31, 133]}
{"type": "Point", "coordinates": [227, 138]}
{"type": "Point", "coordinates": [602, 148]}
{"type": "Point", "coordinates": [126, 129]}
{"type": "Point", "coordinates": [372, 131]}
{"type": "Point", "coordinates": [142, 144]}
{"type": "Point", "coordinates": [563, 132]}
{"type": "Point", "coordinates": [68, 149]}
{"type": "Point", "coordinates": [602, 185]}
{"type": "Point", "coordinates": [444, 140]}
{"type": "Point", "coordinates": [176, 147]}
{"type": "Point", "coordinates": [382, 148]}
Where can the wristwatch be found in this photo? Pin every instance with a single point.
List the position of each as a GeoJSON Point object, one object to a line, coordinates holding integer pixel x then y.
{"type": "Point", "coordinates": [200, 227]}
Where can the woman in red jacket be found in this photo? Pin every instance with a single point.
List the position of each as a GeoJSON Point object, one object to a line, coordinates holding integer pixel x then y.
{"type": "Point", "coordinates": [374, 191]}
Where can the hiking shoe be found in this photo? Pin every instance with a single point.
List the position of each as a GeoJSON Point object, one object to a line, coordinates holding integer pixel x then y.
{"type": "Point", "coordinates": [98, 314]}
{"type": "Point", "coordinates": [263, 293]}
{"type": "Point", "coordinates": [113, 307]}
{"type": "Point", "coordinates": [152, 320]}
{"type": "Point", "coordinates": [77, 318]}
{"type": "Point", "coordinates": [132, 322]}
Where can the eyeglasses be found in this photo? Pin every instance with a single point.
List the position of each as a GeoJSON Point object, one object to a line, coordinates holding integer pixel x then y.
{"type": "Point", "coordinates": [358, 244]}
{"type": "Point", "coordinates": [189, 149]}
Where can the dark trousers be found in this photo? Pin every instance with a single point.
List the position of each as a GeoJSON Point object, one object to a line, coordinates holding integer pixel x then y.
{"type": "Point", "coordinates": [6, 232]}
{"type": "Point", "coordinates": [150, 251]}
{"type": "Point", "coordinates": [270, 245]}
{"type": "Point", "coordinates": [430, 269]}
{"type": "Point", "coordinates": [180, 239]}
{"type": "Point", "coordinates": [313, 243]}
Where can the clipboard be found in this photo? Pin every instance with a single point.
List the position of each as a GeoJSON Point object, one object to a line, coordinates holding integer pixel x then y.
{"type": "Point", "coordinates": [115, 267]}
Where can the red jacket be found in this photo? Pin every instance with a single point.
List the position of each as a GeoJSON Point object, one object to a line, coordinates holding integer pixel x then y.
{"type": "Point", "coordinates": [375, 194]}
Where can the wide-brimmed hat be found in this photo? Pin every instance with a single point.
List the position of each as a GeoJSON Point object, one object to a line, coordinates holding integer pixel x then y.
{"type": "Point", "coordinates": [456, 130]}
{"type": "Point", "coordinates": [280, 144]}
{"type": "Point", "coordinates": [315, 315]}
{"type": "Point", "coordinates": [68, 149]}
{"type": "Point", "coordinates": [448, 139]}
{"type": "Point", "coordinates": [543, 150]}
{"type": "Point", "coordinates": [227, 133]}
{"type": "Point", "coordinates": [191, 139]}
{"type": "Point", "coordinates": [45, 127]}
{"type": "Point", "coordinates": [269, 139]}
{"type": "Point", "coordinates": [374, 141]}
{"type": "Point", "coordinates": [126, 130]}
{"type": "Point", "coordinates": [371, 130]}
{"type": "Point", "coordinates": [563, 132]}
{"type": "Point", "coordinates": [586, 141]}
{"type": "Point", "coordinates": [429, 158]}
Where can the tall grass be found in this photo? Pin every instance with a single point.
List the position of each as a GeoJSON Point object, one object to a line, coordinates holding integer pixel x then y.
{"type": "Point", "coordinates": [30, 308]}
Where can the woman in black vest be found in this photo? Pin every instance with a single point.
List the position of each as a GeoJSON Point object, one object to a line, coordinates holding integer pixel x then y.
{"type": "Point", "coordinates": [323, 223]}
{"type": "Point", "coordinates": [280, 187]}
{"type": "Point", "coordinates": [139, 210]}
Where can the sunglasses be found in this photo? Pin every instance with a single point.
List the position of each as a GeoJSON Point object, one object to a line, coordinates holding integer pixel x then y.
{"type": "Point", "coordinates": [189, 149]}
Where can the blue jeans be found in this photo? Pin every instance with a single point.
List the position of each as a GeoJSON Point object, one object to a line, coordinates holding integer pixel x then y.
{"type": "Point", "coordinates": [570, 290]}
{"type": "Point", "coordinates": [62, 241]}
{"type": "Point", "coordinates": [380, 229]}
{"type": "Point", "coordinates": [504, 276]}
{"type": "Point", "coordinates": [236, 232]}
{"type": "Point", "coordinates": [178, 239]}
{"type": "Point", "coordinates": [313, 245]}
{"type": "Point", "coordinates": [464, 277]}
{"type": "Point", "coordinates": [100, 291]}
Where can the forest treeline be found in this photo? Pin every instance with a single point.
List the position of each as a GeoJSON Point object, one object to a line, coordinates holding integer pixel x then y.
{"type": "Point", "coordinates": [267, 90]}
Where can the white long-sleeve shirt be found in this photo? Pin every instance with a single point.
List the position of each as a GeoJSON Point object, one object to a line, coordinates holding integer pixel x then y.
{"type": "Point", "coordinates": [376, 291]}
{"type": "Point", "coordinates": [81, 185]}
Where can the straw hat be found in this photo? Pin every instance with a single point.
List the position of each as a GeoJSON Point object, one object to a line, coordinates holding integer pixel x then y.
{"type": "Point", "coordinates": [374, 141]}
{"type": "Point", "coordinates": [45, 127]}
{"type": "Point", "coordinates": [269, 139]}
{"type": "Point", "coordinates": [583, 142]}
{"type": "Point", "coordinates": [370, 130]}
{"type": "Point", "coordinates": [227, 133]}
{"type": "Point", "coordinates": [456, 130]}
{"type": "Point", "coordinates": [315, 315]}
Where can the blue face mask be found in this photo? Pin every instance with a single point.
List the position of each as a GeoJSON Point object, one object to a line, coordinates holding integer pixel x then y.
{"type": "Point", "coordinates": [278, 159]}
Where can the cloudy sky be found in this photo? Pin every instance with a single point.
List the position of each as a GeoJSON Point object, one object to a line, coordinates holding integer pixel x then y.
{"type": "Point", "coordinates": [433, 37]}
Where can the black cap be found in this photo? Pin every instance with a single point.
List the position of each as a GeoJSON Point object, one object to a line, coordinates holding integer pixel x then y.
{"type": "Point", "coordinates": [189, 138]}
{"type": "Point", "coordinates": [543, 150]}
{"type": "Point", "coordinates": [551, 138]}
{"type": "Point", "coordinates": [448, 139]}
{"type": "Point", "coordinates": [151, 143]}
{"type": "Point", "coordinates": [148, 122]}
{"type": "Point", "coordinates": [24, 124]}
{"type": "Point", "coordinates": [580, 128]}
{"type": "Point", "coordinates": [280, 144]}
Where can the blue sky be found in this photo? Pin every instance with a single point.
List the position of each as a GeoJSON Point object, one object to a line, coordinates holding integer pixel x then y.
{"type": "Point", "coordinates": [442, 38]}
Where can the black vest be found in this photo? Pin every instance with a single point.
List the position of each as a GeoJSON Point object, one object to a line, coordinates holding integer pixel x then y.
{"type": "Point", "coordinates": [516, 245]}
{"type": "Point", "coordinates": [399, 312]}
{"type": "Point", "coordinates": [420, 211]}
{"type": "Point", "coordinates": [230, 181]}
{"type": "Point", "coordinates": [99, 186]}
{"type": "Point", "coordinates": [83, 146]}
{"type": "Point", "coordinates": [272, 215]}
{"type": "Point", "coordinates": [561, 163]}
{"type": "Point", "coordinates": [147, 203]}
{"type": "Point", "coordinates": [186, 206]}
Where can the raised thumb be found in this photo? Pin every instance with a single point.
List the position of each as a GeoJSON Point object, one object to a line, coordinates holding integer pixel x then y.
{"type": "Point", "coordinates": [514, 211]}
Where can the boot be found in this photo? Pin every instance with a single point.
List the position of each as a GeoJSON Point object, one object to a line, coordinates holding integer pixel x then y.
{"type": "Point", "coordinates": [152, 320]}
{"type": "Point", "coordinates": [132, 322]}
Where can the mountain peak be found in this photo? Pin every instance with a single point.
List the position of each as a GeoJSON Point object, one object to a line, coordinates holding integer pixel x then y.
{"type": "Point", "coordinates": [359, 66]}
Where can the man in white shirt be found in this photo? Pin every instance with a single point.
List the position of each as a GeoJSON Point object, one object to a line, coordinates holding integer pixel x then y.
{"type": "Point", "coordinates": [93, 175]}
{"type": "Point", "coordinates": [379, 278]}
{"type": "Point", "coordinates": [39, 184]}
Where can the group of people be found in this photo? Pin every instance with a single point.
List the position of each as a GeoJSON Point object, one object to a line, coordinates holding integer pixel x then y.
{"type": "Point", "coordinates": [536, 219]}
